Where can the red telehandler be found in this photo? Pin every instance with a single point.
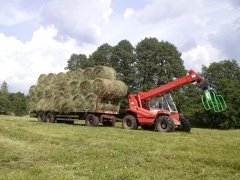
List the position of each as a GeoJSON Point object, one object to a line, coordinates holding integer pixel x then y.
{"type": "Point", "coordinates": [155, 109]}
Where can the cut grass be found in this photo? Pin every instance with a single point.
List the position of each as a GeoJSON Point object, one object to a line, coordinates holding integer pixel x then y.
{"type": "Point", "coordinates": [35, 150]}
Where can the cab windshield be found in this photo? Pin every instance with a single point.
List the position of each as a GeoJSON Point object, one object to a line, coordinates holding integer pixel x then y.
{"type": "Point", "coordinates": [162, 102]}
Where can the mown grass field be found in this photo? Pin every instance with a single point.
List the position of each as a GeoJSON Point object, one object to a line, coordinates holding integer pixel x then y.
{"type": "Point", "coordinates": [34, 150]}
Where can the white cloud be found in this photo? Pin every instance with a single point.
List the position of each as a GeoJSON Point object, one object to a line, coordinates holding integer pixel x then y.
{"type": "Point", "coordinates": [22, 63]}
{"type": "Point", "coordinates": [128, 12]}
{"type": "Point", "coordinates": [79, 19]}
{"type": "Point", "coordinates": [11, 13]}
{"type": "Point", "coordinates": [200, 55]}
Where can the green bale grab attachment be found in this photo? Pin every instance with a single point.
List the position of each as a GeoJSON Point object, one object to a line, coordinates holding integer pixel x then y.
{"type": "Point", "coordinates": [211, 101]}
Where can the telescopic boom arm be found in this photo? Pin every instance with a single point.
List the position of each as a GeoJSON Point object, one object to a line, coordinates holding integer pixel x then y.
{"type": "Point", "coordinates": [209, 98]}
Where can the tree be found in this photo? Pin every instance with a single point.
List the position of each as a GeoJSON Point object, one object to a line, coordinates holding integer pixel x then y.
{"type": "Point", "coordinates": [78, 61]}
{"type": "Point", "coordinates": [157, 63]}
{"type": "Point", "coordinates": [102, 56]}
{"type": "Point", "coordinates": [19, 104]}
{"type": "Point", "coordinates": [123, 60]}
{"type": "Point", "coordinates": [5, 104]}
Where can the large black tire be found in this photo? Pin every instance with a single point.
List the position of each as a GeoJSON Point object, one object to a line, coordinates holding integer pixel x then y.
{"type": "Point", "coordinates": [164, 124]}
{"type": "Point", "coordinates": [129, 122]}
{"type": "Point", "coordinates": [91, 120]}
{"type": "Point", "coordinates": [50, 118]}
{"type": "Point", "coordinates": [186, 125]}
{"type": "Point", "coordinates": [42, 117]}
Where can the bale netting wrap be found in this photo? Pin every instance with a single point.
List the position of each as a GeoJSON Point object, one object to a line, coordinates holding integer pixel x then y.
{"type": "Point", "coordinates": [86, 87]}
{"type": "Point", "coordinates": [88, 74]}
{"type": "Point", "coordinates": [111, 89]}
{"type": "Point", "coordinates": [104, 72]}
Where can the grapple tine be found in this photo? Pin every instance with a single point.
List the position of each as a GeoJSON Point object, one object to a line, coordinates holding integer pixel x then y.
{"type": "Point", "coordinates": [212, 101]}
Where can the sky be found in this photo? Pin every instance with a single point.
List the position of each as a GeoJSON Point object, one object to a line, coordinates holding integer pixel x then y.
{"type": "Point", "coordinates": [38, 37]}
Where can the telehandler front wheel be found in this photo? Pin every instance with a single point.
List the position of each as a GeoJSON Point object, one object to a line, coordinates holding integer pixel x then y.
{"type": "Point", "coordinates": [186, 126]}
{"type": "Point", "coordinates": [164, 124]}
{"type": "Point", "coordinates": [129, 122]}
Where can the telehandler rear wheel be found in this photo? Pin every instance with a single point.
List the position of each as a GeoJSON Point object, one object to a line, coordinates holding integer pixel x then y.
{"type": "Point", "coordinates": [129, 122]}
{"type": "Point", "coordinates": [91, 120]}
{"type": "Point", "coordinates": [164, 124]}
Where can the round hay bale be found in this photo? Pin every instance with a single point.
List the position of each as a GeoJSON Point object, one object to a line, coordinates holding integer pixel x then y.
{"type": "Point", "coordinates": [48, 91]}
{"type": "Point", "coordinates": [41, 79]}
{"type": "Point", "coordinates": [104, 72]}
{"type": "Point", "coordinates": [90, 104]}
{"type": "Point", "coordinates": [50, 78]}
{"type": "Point", "coordinates": [75, 75]}
{"type": "Point", "coordinates": [68, 105]}
{"type": "Point", "coordinates": [39, 91]}
{"type": "Point", "coordinates": [86, 87]}
{"type": "Point", "coordinates": [110, 89]}
{"type": "Point", "coordinates": [73, 86]}
{"type": "Point", "coordinates": [108, 105]}
{"type": "Point", "coordinates": [88, 73]}
{"type": "Point", "coordinates": [40, 105]}
{"type": "Point", "coordinates": [79, 103]}
{"type": "Point", "coordinates": [31, 91]}
{"type": "Point", "coordinates": [58, 103]}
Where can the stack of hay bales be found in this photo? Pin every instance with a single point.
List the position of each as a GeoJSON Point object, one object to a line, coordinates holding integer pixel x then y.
{"type": "Point", "coordinates": [78, 91]}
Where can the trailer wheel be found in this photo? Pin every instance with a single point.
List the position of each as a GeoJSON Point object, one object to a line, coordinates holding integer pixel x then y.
{"type": "Point", "coordinates": [41, 117]}
{"type": "Point", "coordinates": [186, 125]}
{"type": "Point", "coordinates": [129, 122]}
{"type": "Point", "coordinates": [164, 124]}
{"type": "Point", "coordinates": [50, 118]}
{"type": "Point", "coordinates": [91, 120]}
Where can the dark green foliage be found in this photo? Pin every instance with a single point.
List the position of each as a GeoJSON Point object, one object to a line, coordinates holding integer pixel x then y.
{"type": "Point", "coordinates": [78, 61]}
{"type": "Point", "coordinates": [19, 104]}
{"type": "Point", "coordinates": [102, 56]}
{"type": "Point", "coordinates": [123, 59]}
{"type": "Point", "coordinates": [5, 104]}
{"type": "Point", "coordinates": [157, 63]}
{"type": "Point", "coordinates": [12, 103]}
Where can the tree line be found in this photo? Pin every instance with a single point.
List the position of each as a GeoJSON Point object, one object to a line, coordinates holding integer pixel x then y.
{"type": "Point", "coordinates": [12, 103]}
{"type": "Point", "coordinates": [152, 63]}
